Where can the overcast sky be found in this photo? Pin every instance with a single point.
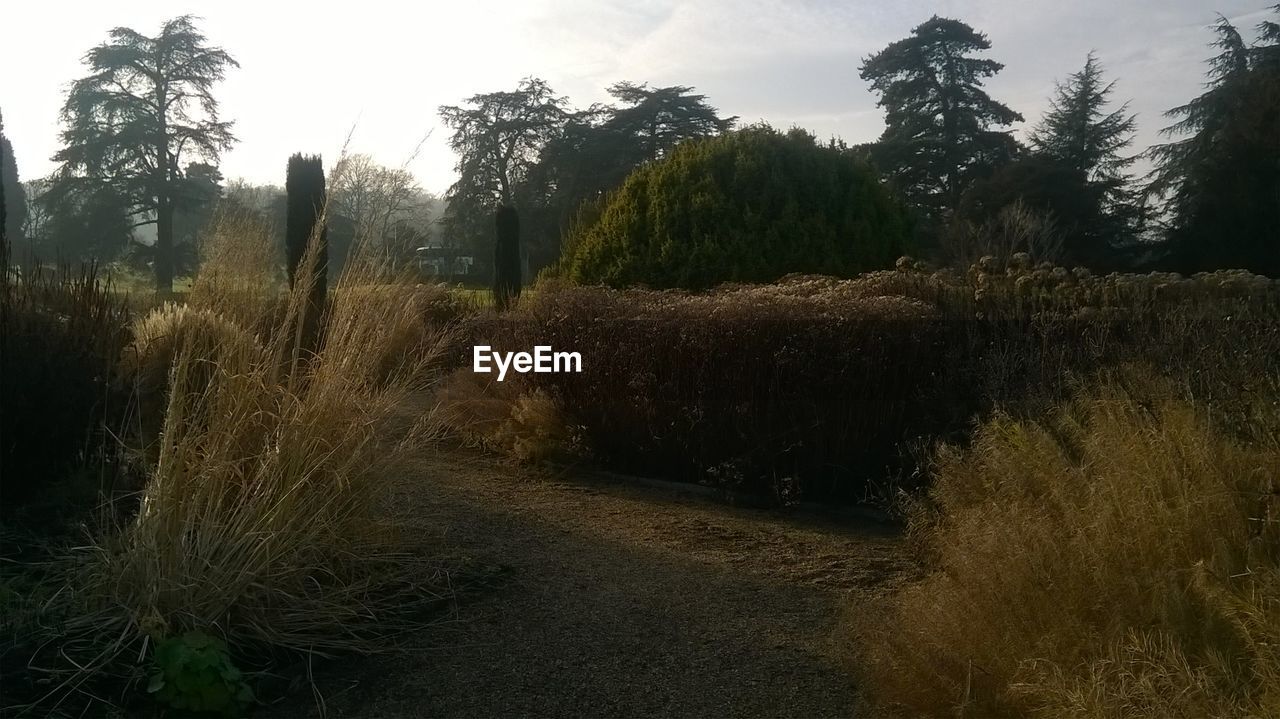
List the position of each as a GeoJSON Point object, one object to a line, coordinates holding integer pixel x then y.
{"type": "Point", "coordinates": [308, 78]}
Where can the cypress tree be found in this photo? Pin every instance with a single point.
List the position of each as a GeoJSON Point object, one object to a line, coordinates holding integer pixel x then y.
{"type": "Point", "coordinates": [13, 201]}
{"type": "Point", "coordinates": [4, 216]}
{"type": "Point", "coordinates": [304, 224]}
{"type": "Point", "coordinates": [506, 257]}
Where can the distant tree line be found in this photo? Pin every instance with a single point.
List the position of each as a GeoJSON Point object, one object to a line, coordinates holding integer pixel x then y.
{"type": "Point", "coordinates": [138, 177]}
{"type": "Point", "coordinates": [527, 149]}
{"type": "Point", "coordinates": [1212, 201]}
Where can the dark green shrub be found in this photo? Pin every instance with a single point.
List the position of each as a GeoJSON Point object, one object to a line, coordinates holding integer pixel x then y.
{"type": "Point", "coordinates": [61, 334]}
{"type": "Point", "coordinates": [747, 206]}
{"type": "Point", "coordinates": [506, 257]}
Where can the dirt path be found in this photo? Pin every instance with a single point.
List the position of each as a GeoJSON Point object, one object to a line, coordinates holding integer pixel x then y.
{"type": "Point", "coordinates": [608, 599]}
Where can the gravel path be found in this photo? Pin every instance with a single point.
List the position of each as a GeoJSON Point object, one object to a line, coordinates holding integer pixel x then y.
{"type": "Point", "coordinates": [609, 599]}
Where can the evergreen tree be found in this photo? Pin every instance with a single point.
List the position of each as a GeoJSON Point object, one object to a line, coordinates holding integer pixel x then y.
{"type": "Point", "coordinates": [1080, 133]}
{"type": "Point", "coordinates": [147, 103]}
{"type": "Point", "coordinates": [13, 202]}
{"type": "Point", "coordinates": [88, 223]}
{"type": "Point", "coordinates": [1221, 182]}
{"type": "Point", "coordinates": [305, 229]}
{"type": "Point", "coordinates": [506, 257]}
{"type": "Point", "coordinates": [748, 206]}
{"type": "Point", "coordinates": [942, 129]}
{"type": "Point", "coordinates": [499, 137]}
{"type": "Point", "coordinates": [599, 147]}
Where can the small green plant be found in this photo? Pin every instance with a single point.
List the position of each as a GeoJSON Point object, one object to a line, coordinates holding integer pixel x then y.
{"type": "Point", "coordinates": [194, 672]}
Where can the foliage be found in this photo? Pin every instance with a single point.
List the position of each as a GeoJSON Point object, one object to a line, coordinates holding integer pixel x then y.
{"type": "Point", "coordinates": [941, 129]}
{"type": "Point", "coordinates": [263, 519]}
{"type": "Point", "coordinates": [146, 103]}
{"type": "Point", "coordinates": [60, 334]}
{"type": "Point", "coordinates": [194, 209]}
{"type": "Point", "coordinates": [1048, 188]}
{"type": "Point", "coordinates": [764, 390]}
{"type": "Point", "coordinates": [36, 215]}
{"type": "Point", "coordinates": [307, 242]}
{"type": "Point", "coordinates": [528, 150]}
{"type": "Point", "coordinates": [1018, 227]}
{"type": "Point", "coordinates": [194, 673]}
{"type": "Point", "coordinates": [1079, 134]}
{"type": "Point", "coordinates": [498, 137]}
{"type": "Point", "coordinates": [600, 146]}
{"type": "Point", "coordinates": [146, 364]}
{"type": "Point", "coordinates": [506, 257]}
{"type": "Point", "coordinates": [85, 223]}
{"type": "Point", "coordinates": [382, 203]}
{"type": "Point", "coordinates": [749, 206]}
{"type": "Point", "coordinates": [1116, 558]}
{"type": "Point", "coordinates": [820, 387]}
{"type": "Point", "coordinates": [1221, 181]}
{"type": "Point", "coordinates": [13, 200]}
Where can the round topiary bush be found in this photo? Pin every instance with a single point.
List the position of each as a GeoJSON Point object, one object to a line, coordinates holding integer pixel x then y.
{"type": "Point", "coordinates": [747, 206]}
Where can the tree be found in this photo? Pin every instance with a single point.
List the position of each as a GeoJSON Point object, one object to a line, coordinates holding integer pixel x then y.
{"type": "Point", "coordinates": [941, 129]}
{"type": "Point", "coordinates": [194, 209]}
{"type": "Point", "coordinates": [375, 199]}
{"type": "Point", "coordinates": [13, 201]}
{"type": "Point", "coordinates": [506, 257]}
{"type": "Point", "coordinates": [597, 149]}
{"type": "Point", "coordinates": [655, 120]}
{"type": "Point", "coordinates": [147, 104]}
{"type": "Point", "coordinates": [306, 243]}
{"type": "Point", "coordinates": [35, 225]}
{"type": "Point", "coordinates": [86, 223]}
{"type": "Point", "coordinates": [1221, 182]}
{"type": "Point", "coordinates": [1078, 132]}
{"type": "Point", "coordinates": [1081, 135]}
{"type": "Point", "coordinates": [747, 206]}
{"type": "Point", "coordinates": [498, 137]}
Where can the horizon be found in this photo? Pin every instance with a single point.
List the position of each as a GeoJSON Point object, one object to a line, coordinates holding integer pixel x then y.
{"type": "Point", "coordinates": [787, 64]}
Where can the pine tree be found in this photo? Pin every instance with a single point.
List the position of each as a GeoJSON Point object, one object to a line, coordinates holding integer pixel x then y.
{"type": "Point", "coordinates": [146, 106]}
{"type": "Point", "coordinates": [1081, 134]}
{"type": "Point", "coordinates": [942, 130]}
{"type": "Point", "coordinates": [1221, 182]}
{"type": "Point", "coordinates": [305, 228]}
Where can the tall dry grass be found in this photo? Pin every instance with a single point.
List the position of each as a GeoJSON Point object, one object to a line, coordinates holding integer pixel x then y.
{"type": "Point", "coordinates": [262, 520]}
{"type": "Point", "coordinates": [1120, 558]}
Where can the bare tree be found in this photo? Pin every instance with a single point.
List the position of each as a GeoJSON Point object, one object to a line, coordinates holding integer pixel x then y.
{"type": "Point", "coordinates": [35, 226]}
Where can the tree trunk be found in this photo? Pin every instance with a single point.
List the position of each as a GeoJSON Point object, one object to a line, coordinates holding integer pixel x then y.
{"type": "Point", "coordinates": [164, 245]}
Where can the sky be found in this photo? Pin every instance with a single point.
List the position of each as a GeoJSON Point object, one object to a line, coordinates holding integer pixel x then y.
{"type": "Point", "coordinates": [370, 75]}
